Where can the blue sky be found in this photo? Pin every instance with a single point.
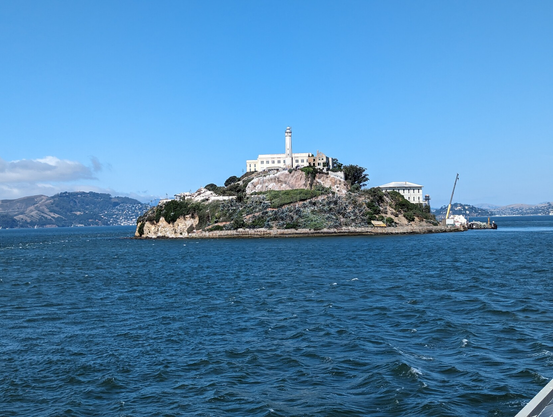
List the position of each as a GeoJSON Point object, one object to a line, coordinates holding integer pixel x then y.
{"type": "Point", "coordinates": [152, 98]}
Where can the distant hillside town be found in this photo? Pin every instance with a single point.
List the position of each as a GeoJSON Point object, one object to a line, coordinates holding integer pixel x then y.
{"type": "Point", "coordinates": [467, 210]}
{"type": "Point", "coordinates": [70, 210]}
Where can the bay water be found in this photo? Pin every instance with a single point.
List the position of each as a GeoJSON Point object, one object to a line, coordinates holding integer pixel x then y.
{"type": "Point", "coordinates": [93, 322]}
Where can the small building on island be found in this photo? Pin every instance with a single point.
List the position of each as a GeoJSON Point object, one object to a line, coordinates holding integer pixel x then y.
{"type": "Point", "coordinates": [412, 192]}
{"type": "Point", "coordinates": [289, 159]}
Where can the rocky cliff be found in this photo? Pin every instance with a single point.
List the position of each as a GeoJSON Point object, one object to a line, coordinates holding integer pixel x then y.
{"type": "Point", "coordinates": [296, 179]}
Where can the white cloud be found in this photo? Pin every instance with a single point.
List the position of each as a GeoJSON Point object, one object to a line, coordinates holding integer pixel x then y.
{"type": "Point", "coordinates": [51, 175]}
{"type": "Point", "coordinates": [12, 192]}
{"type": "Point", "coordinates": [49, 168]}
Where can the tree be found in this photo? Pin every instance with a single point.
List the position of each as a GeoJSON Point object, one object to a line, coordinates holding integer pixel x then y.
{"type": "Point", "coordinates": [355, 174]}
{"type": "Point", "coordinates": [337, 166]}
{"type": "Point", "coordinates": [211, 187]}
{"type": "Point", "coordinates": [231, 180]}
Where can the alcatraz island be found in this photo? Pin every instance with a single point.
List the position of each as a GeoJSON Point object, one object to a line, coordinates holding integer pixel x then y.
{"type": "Point", "coordinates": [292, 194]}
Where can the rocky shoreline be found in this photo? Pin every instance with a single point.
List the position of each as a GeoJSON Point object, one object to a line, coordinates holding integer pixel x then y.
{"type": "Point", "coordinates": [288, 233]}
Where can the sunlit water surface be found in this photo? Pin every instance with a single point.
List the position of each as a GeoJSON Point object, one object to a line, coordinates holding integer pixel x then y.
{"type": "Point", "coordinates": [95, 323]}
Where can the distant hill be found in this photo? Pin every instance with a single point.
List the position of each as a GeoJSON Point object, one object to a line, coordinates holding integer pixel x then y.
{"type": "Point", "coordinates": [70, 209]}
{"type": "Point", "coordinates": [543, 209]}
{"type": "Point", "coordinates": [465, 209]}
{"type": "Point", "coordinates": [485, 210]}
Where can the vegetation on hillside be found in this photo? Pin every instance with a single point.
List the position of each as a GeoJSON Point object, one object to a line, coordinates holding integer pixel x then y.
{"type": "Point", "coordinates": [356, 176]}
{"type": "Point", "coordinates": [314, 209]}
{"type": "Point", "coordinates": [410, 211]}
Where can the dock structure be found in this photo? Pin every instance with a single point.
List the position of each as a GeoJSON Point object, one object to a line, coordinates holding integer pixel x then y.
{"type": "Point", "coordinates": [541, 405]}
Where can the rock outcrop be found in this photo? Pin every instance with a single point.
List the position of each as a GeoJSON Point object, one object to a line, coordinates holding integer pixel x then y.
{"type": "Point", "coordinates": [293, 180]}
{"type": "Point", "coordinates": [180, 228]}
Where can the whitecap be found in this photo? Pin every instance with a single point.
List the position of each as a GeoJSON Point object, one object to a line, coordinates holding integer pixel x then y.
{"type": "Point", "coordinates": [542, 353]}
{"type": "Point", "coordinates": [414, 371]}
{"type": "Point", "coordinates": [465, 342]}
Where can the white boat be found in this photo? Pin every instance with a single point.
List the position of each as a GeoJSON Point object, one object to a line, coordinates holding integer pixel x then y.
{"type": "Point", "coordinates": [541, 405]}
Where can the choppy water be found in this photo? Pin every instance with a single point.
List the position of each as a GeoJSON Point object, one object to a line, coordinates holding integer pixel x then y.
{"type": "Point", "coordinates": [457, 324]}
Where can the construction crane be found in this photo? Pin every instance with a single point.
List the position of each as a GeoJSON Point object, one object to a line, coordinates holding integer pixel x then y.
{"type": "Point", "coordinates": [451, 199]}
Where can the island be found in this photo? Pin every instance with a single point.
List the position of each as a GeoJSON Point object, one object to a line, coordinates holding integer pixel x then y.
{"type": "Point", "coordinates": [282, 202]}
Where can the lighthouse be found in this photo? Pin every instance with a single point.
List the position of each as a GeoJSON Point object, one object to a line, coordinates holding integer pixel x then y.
{"type": "Point", "coordinates": [288, 139]}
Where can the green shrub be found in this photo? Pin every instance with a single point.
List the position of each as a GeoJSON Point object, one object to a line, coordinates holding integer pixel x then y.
{"type": "Point", "coordinates": [281, 198]}
{"type": "Point", "coordinates": [310, 175]}
{"type": "Point", "coordinates": [238, 223]}
{"type": "Point", "coordinates": [173, 210]}
{"type": "Point", "coordinates": [211, 187]}
{"type": "Point", "coordinates": [390, 221]}
{"type": "Point", "coordinates": [158, 214]}
{"type": "Point", "coordinates": [373, 208]}
{"type": "Point", "coordinates": [375, 194]}
{"type": "Point", "coordinates": [216, 228]}
{"type": "Point", "coordinates": [410, 210]}
{"type": "Point", "coordinates": [141, 229]}
{"type": "Point", "coordinates": [313, 222]}
{"type": "Point", "coordinates": [258, 222]}
{"type": "Point", "coordinates": [231, 180]}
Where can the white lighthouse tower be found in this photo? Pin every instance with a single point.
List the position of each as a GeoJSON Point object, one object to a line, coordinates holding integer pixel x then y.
{"type": "Point", "coordinates": [289, 155]}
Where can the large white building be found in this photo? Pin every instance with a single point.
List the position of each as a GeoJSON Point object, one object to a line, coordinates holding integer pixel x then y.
{"type": "Point", "coordinates": [411, 192]}
{"type": "Point", "coordinates": [288, 159]}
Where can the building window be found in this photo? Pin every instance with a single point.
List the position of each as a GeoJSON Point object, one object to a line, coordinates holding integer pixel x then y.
{"type": "Point", "coordinates": [298, 161]}
{"type": "Point", "coordinates": [262, 162]}
{"type": "Point", "coordinates": [278, 162]}
{"type": "Point", "coordinates": [302, 160]}
{"type": "Point", "coordinates": [272, 162]}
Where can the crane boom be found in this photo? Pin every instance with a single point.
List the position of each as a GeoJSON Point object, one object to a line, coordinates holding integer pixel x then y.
{"type": "Point", "coordinates": [451, 199]}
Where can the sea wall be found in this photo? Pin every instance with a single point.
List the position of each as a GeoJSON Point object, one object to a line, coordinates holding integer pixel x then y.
{"type": "Point", "coordinates": [265, 233]}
